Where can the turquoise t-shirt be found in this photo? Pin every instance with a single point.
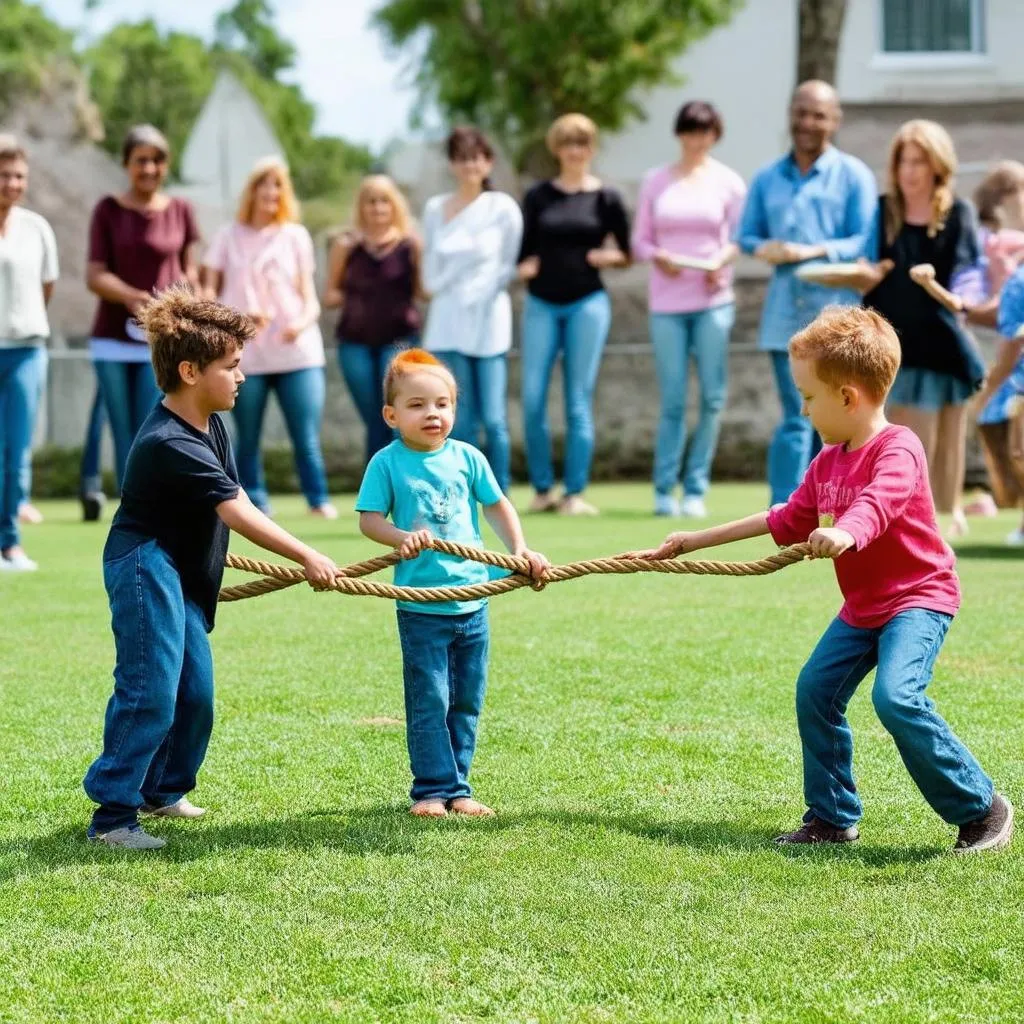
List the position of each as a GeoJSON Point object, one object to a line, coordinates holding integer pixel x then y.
{"type": "Point", "coordinates": [437, 491]}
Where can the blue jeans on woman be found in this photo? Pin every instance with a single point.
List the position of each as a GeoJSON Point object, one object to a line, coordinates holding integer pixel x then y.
{"type": "Point", "coordinates": [483, 394]}
{"type": "Point", "coordinates": [159, 718]}
{"type": "Point", "coordinates": [22, 373]}
{"type": "Point", "coordinates": [904, 651]}
{"type": "Point", "coordinates": [577, 331]}
{"type": "Point", "coordinates": [444, 659]}
{"type": "Point", "coordinates": [678, 338]}
{"type": "Point", "coordinates": [129, 394]}
{"type": "Point", "coordinates": [363, 368]}
{"type": "Point", "coordinates": [90, 471]}
{"type": "Point", "coordinates": [795, 441]}
{"type": "Point", "coordinates": [300, 393]}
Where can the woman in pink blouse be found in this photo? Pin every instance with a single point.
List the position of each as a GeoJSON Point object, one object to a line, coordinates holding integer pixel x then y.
{"type": "Point", "coordinates": [263, 265]}
{"type": "Point", "coordinates": [686, 215]}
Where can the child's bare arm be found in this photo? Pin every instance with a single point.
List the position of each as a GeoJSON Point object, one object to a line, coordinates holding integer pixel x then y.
{"type": "Point", "coordinates": [376, 526]}
{"type": "Point", "coordinates": [242, 516]}
{"type": "Point", "coordinates": [676, 544]}
{"type": "Point", "coordinates": [505, 522]}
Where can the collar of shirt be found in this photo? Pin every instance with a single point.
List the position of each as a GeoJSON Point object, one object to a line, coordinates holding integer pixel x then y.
{"type": "Point", "coordinates": [827, 159]}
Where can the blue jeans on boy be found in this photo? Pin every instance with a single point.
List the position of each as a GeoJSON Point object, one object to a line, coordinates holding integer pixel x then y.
{"type": "Point", "coordinates": [301, 395]}
{"type": "Point", "coordinates": [22, 372]}
{"type": "Point", "coordinates": [483, 395]}
{"type": "Point", "coordinates": [159, 718]}
{"type": "Point", "coordinates": [363, 368]}
{"type": "Point", "coordinates": [904, 651]}
{"type": "Point", "coordinates": [795, 442]}
{"type": "Point", "coordinates": [444, 660]}
{"type": "Point", "coordinates": [129, 393]}
{"type": "Point", "coordinates": [678, 338]}
{"type": "Point", "coordinates": [577, 330]}
{"type": "Point", "coordinates": [90, 470]}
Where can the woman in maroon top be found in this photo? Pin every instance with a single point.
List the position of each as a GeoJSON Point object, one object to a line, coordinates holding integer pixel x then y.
{"type": "Point", "coordinates": [139, 243]}
{"type": "Point", "coordinates": [374, 275]}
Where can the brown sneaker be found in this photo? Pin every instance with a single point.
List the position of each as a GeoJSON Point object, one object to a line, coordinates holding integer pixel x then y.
{"type": "Point", "coordinates": [993, 832]}
{"type": "Point", "coordinates": [818, 831]}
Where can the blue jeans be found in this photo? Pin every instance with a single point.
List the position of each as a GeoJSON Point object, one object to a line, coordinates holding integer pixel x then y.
{"type": "Point", "coordinates": [363, 368]}
{"type": "Point", "coordinates": [677, 338]}
{"type": "Point", "coordinates": [577, 330]}
{"type": "Point", "coordinates": [90, 472]}
{"type": "Point", "coordinates": [444, 660]}
{"type": "Point", "coordinates": [795, 441]}
{"type": "Point", "coordinates": [300, 394]}
{"type": "Point", "coordinates": [159, 718]}
{"type": "Point", "coordinates": [904, 651]}
{"type": "Point", "coordinates": [22, 373]}
{"type": "Point", "coordinates": [129, 394]}
{"type": "Point", "coordinates": [483, 390]}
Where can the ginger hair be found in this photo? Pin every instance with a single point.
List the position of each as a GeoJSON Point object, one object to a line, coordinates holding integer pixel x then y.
{"type": "Point", "coordinates": [410, 361]}
{"type": "Point", "coordinates": [184, 329]}
{"type": "Point", "coordinates": [850, 345]}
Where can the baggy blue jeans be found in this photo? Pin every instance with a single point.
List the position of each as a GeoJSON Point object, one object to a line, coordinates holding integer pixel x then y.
{"type": "Point", "coordinates": [363, 368]}
{"type": "Point", "coordinates": [795, 442]}
{"type": "Point", "coordinates": [129, 394]}
{"type": "Point", "coordinates": [22, 373]}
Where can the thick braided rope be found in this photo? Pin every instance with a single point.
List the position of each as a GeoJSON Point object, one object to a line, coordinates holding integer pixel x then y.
{"type": "Point", "coordinates": [278, 577]}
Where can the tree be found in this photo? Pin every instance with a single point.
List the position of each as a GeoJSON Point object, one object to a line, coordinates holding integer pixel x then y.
{"type": "Point", "coordinates": [248, 28]}
{"type": "Point", "coordinates": [512, 66]}
{"type": "Point", "coordinates": [821, 27]}
{"type": "Point", "coordinates": [29, 42]}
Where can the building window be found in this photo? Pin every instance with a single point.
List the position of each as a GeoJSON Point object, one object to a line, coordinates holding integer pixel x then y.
{"type": "Point", "coordinates": [933, 26]}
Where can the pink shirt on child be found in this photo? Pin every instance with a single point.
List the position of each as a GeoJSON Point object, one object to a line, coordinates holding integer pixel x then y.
{"type": "Point", "coordinates": [881, 496]}
{"type": "Point", "coordinates": [261, 269]}
{"type": "Point", "coordinates": [695, 216]}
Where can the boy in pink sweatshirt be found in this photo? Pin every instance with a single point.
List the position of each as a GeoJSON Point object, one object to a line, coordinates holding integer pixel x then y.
{"type": "Point", "coordinates": [866, 503]}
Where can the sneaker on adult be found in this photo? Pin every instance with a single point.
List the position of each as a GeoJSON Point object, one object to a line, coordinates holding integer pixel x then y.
{"type": "Point", "coordinates": [545, 502]}
{"type": "Point", "coordinates": [182, 808]}
{"type": "Point", "coordinates": [16, 560]}
{"type": "Point", "coordinates": [1015, 539]}
{"type": "Point", "coordinates": [992, 832]}
{"type": "Point", "coordinates": [693, 507]}
{"type": "Point", "coordinates": [131, 837]}
{"type": "Point", "coordinates": [817, 831]}
{"type": "Point", "coordinates": [666, 505]}
{"type": "Point", "coordinates": [324, 511]}
{"type": "Point", "coordinates": [29, 514]}
{"type": "Point", "coordinates": [575, 505]}
{"type": "Point", "coordinates": [92, 506]}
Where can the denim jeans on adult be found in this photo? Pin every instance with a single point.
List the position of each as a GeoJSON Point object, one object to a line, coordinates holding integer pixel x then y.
{"type": "Point", "coordinates": [159, 718]}
{"type": "Point", "coordinates": [678, 338]}
{"type": "Point", "coordinates": [483, 397]}
{"type": "Point", "coordinates": [363, 368]}
{"type": "Point", "coordinates": [22, 372]}
{"type": "Point", "coordinates": [444, 659]}
{"type": "Point", "coordinates": [300, 394]}
{"type": "Point", "coordinates": [91, 480]}
{"type": "Point", "coordinates": [577, 331]}
{"type": "Point", "coordinates": [129, 394]}
{"type": "Point", "coordinates": [904, 651]}
{"type": "Point", "coordinates": [795, 441]}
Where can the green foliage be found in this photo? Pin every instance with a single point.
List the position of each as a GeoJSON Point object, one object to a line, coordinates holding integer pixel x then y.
{"type": "Point", "coordinates": [248, 28]}
{"type": "Point", "coordinates": [511, 67]}
{"type": "Point", "coordinates": [29, 41]}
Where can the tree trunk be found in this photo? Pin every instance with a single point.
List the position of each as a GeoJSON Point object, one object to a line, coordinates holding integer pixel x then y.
{"type": "Point", "coordinates": [821, 26]}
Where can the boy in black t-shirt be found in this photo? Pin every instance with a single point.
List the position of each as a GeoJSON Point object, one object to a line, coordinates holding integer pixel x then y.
{"type": "Point", "coordinates": [162, 568]}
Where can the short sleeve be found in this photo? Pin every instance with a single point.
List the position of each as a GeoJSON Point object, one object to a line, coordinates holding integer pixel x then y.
{"type": "Point", "coordinates": [191, 226]}
{"type": "Point", "coordinates": [215, 256]}
{"type": "Point", "coordinates": [968, 251]}
{"type": "Point", "coordinates": [1011, 306]}
{"type": "Point", "coordinates": [616, 220]}
{"type": "Point", "coordinates": [735, 197]}
{"type": "Point", "coordinates": [101, 235]}
{"type": "Point", "coordinates": [51, 264]}
{"type": "Point", "coordinates": [485, 485]}
{"type": "Point", "coordinates": [305, 250]}
{"type": "Point", "coordinates": [193, 470]}
{"type": "Point", "coordinates": [375, 492]}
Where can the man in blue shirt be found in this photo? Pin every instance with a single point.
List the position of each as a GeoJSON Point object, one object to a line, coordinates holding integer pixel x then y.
{"type": "Point", "coordinates": [816, 203]}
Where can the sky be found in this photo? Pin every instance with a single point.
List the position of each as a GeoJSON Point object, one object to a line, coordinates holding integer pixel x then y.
{"type": "Point", "coordinates": [342, 63]}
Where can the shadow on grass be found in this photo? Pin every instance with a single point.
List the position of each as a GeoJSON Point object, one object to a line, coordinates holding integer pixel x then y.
{"type": "Point", "coordinates": [387, 830]}
{"type": "Point", "coordinates": [993, 552]}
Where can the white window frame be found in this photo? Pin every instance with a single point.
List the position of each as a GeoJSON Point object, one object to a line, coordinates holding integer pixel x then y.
{"type": "Point", "coordinates": [924, 60]}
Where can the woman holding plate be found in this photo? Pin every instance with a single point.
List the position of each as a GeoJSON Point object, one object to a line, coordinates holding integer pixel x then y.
{"type": "Point", "coordinates": [686, 216]}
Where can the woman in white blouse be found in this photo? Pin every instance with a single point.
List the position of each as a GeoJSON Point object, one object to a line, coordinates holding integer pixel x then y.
{"type": "Point", "coordinates": [471, 241]}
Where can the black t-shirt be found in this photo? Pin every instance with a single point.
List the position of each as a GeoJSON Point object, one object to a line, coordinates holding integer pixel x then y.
{"type": "Point", "coordinates": [931, 338]}
{"type": "Point", "coordinates": [561, 228]}
{"type": "Point", "coordinates": [175, 479]}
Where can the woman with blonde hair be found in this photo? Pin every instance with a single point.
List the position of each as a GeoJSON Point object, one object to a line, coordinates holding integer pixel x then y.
{"type": "Point", "coordinates": [567, 224]}
{"type": "Point", "coordinates": [374, 275]}
{"type": "Point", "coordinates": [923, 239]}
{"type": "Point", "coordinates": [262, 264]}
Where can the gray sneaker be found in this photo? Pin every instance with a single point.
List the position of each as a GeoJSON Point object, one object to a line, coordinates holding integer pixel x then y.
{"type": "Point", "coordinates": [993, 832]}
{"type": "Point", "coordinates": [132, 837]}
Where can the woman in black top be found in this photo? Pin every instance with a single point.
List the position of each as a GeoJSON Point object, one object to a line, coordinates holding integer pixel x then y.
{"type": "Point", "coordinates": [566, 223]}
{"type": "Point", "coordinates": [929, 237]}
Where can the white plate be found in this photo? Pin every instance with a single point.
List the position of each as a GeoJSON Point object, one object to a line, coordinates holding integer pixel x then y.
{"type": "Point", "coordinates": [693, 263]}
{"type": "Point", "coordinates": [823, 271]}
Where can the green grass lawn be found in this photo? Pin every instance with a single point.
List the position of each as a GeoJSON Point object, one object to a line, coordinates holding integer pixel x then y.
{"type": "Point", "coordinates": [639, 743]}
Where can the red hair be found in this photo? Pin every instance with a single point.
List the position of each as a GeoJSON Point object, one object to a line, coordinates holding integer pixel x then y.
{"type": "Point", "coordinates": [410, 361]}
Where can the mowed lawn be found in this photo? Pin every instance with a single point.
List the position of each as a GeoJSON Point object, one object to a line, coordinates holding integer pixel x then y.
{"type": "Point", "coordinates": [639, 743]}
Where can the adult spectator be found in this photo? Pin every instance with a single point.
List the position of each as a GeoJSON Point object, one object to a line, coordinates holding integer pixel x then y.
{"type": "Point", "coordinates": [471, 239]}
{"type": "Point", "coordinates": [28, 270]}
{"type": "Point", "coordinates": [687, 214]}
{"type": "Point", "coordinates": [816, 203]}
{"type": "Point", "coordinates": [374, 275]}
{"type": "Point", "coordinates": [263, 264]}
{"type": "Point", "coordinates": [140, 242]}
{"type": "Point", "coordinates": [568, 222]}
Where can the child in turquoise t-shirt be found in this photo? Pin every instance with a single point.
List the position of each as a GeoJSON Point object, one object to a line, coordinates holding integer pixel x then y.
{"type": "Point", "coordinates": [430, 486]}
